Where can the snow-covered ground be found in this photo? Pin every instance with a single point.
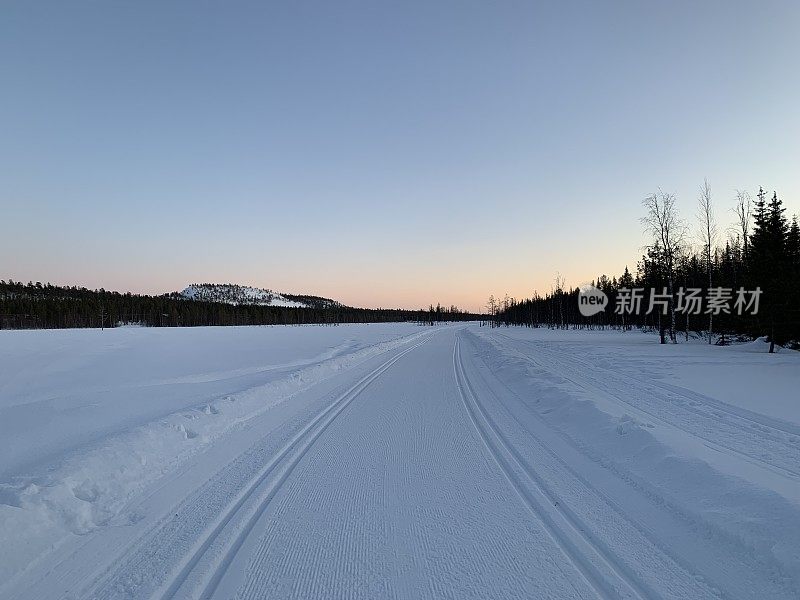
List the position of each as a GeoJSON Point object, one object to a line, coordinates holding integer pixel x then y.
{"type": "Point", "coordinates": [377, 461]}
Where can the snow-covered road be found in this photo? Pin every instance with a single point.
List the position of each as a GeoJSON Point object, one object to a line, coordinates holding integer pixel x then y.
{"type": "Point", "coordinates": [453, 462]}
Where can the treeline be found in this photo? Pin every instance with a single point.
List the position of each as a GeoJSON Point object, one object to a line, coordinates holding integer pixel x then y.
{"type": "Point", "coordinates": [311, 301]}
{"type": "Point", "coordinates": [761, 253]}
{"type": "Point", "coordinates": [45, 306]}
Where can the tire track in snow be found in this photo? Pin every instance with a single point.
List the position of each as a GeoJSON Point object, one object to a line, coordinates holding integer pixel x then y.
{"type": "Point", "coordinates": [602, 571]}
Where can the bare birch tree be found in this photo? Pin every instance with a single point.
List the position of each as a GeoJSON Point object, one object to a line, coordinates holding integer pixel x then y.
{"type": "Point", "coordinates": [661, 220]}
{"type": "Point", "coordinates": [708, 233]}
{"type": "Point", "coordinates": [743, 213]}
{"type": "Point", "coordinates": [491, 306]}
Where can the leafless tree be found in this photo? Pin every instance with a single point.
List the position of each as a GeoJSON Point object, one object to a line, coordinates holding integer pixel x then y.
{"type": "Point", "coordinates": [743, 212]}
{"type": "Point", "coordinates": [661, 220]}
{"type": "Point", "coordinates": [708, 233]}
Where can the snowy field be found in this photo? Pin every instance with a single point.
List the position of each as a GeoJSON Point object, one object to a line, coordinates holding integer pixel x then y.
{"type": "Point", "coordinates": [395, 461]}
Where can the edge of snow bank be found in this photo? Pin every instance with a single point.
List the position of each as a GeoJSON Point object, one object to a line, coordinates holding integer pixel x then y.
{"type": "Point", "coordinates": [753, 521]}
{"type": "Point", "coordinates": [87, 489]}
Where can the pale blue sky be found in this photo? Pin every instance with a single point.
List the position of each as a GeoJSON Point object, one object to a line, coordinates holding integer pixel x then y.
{"type": "Point", "coordinates": [382, 153]}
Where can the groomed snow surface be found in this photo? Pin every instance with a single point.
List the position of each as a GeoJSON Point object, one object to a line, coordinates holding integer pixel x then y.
{"type": "Point", "coordinates": [395, 461]}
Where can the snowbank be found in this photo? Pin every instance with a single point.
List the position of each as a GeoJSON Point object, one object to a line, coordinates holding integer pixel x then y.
{"type": "Point", "coordinates": [710, 433]}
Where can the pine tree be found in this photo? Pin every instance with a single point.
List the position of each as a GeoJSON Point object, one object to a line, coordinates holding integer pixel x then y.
{"type": "Point", "coordinates": [768, 262]}
{"type": "Point", "coordinates": [793, 246]}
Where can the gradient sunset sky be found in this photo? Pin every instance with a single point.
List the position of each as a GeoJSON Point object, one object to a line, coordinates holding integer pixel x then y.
{"type": "Point", "coordinates": [379, 153]}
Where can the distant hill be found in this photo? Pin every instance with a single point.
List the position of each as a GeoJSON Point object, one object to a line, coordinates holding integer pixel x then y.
{"type": "Point", "coordinates": [47, 306]}
{"type": "Point", "coordinates": [242, 295]}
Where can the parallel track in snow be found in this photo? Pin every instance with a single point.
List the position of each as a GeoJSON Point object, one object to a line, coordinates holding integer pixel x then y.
{"type": "Point", "coordinates": [194, 570]}
{"type": "Point", "coordinates": [447, 467]}
{"type": "Point", "coordinates": [278, 470]}
{"type": "Point", "coordinates": [602, 571]}
{"type": "Point", "coordinates": [689, 577]}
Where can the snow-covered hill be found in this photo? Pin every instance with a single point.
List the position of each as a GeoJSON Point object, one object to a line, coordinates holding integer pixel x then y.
{"type": "Point", "coordinates": [242, 294]}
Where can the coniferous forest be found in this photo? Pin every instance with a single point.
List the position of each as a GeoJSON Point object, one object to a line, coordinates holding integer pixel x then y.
{"type": "Point", "coordinates": [45, 306]}
{"type": "Point", "coordinates": [761, 252]}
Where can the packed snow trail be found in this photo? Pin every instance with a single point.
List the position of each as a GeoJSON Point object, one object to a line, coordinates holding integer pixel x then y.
{"type": "Point", "coordinates": [458, 462]}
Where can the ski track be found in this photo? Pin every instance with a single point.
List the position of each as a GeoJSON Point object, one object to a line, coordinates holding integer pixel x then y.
{"type": "Point", "coordinates": [733, 565]}
{"type": "Point", "coordinates": [756, 439]}
{"type": "Point", "coordinates": [632, 519]}
{"type": "Point", "coordinates": [424, 474]}
{"type": "Point", "coordinates": [599, 572]}
{"type": "Point", "coordinates": [237, 515]}
{"type": "Point", "coordinates": [589, 543]}
{"type": "Point", "coordinates": [391, 523]}
{"type": "Point", "coordinates": [337, 407]}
